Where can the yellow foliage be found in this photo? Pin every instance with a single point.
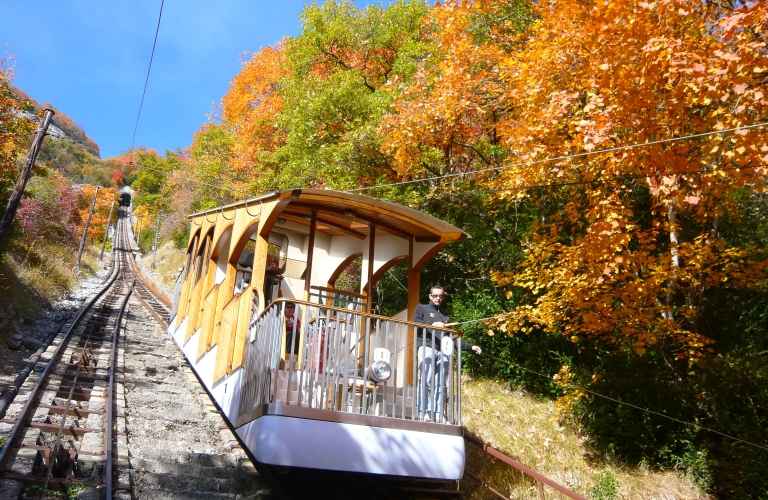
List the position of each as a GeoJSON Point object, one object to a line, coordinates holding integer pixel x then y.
{"type": "Point", "coordinates": [588, 80]}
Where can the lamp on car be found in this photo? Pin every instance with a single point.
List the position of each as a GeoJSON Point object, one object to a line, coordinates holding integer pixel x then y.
{"type": "Point", "coordinates": [379, 371]}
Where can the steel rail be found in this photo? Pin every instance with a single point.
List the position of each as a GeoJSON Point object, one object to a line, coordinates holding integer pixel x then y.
{"type": "Point", "coordinates": [111, 398]}
{"type": "Point", "coordinates": [10, 392]}
{"type": "Point", "coordinates": [24, 414]}
{"type": "Point", "coordinates": [134, 269]}
{"type": "Point", "coordinates": [88, 339]}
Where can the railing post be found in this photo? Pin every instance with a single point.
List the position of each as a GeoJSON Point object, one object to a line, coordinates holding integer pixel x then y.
{"type": "Point", "coordinates": [415, 379]}
{"type": "Point", "coordinates": [458, 389]}
{"type": "Point", "coordinates": [366, 345]}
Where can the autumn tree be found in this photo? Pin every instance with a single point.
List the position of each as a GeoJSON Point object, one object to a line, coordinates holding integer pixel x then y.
{"type": "Point", "coordinates": [101, 209]}
{"type": "Point", "coordinates": [49, 211]}
{"type": "Point", "coordinates": [74, 131]}
{"type": "Point", "coordinates": [151, 172]}
{"type": "Point", "coordinates": [630, 242]}
{"type": "Point", "coordinates": [123, 168]}
{"type": "Point", "coordinates": [444, 119]}
{"type": "Point", "coordinates": [336, 94]}
{"type": "Point", "coordinates": [209, 166]}
{"type": "Point", "coordinates": [251, 110]}
{"type": "Point", "coordinates": [13, 130]}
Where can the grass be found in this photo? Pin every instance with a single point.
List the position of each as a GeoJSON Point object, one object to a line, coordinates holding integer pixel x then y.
{"type": "Point", "coordinates": [527, 429]}
{"type": "Point", "coordinates": [29, 282]}
{"type": "Point", "coordinates": [16, 299]}
{"type": "Point", "coordinates": [167, 263]}
{"type": "Point", "coordinates": [51, 275]}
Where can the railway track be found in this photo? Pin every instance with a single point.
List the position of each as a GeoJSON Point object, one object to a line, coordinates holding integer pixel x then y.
{"type": "Point", "coordinates": [110, 410]}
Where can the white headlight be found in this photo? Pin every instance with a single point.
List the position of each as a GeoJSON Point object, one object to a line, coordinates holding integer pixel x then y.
{"type": "Point", "coordinates": [379, 371]}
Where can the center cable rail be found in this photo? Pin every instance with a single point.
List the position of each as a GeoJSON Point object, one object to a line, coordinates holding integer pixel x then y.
{"type": "Point", "coordinates": [155, 302]}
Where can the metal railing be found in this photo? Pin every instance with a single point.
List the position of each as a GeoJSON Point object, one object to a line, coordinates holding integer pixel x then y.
{"type": "Point", "coordinates": [349, 361]}
{"type": "Point", "coordinates": [540, 479]}
{"type": "Point", "coordinates": [337, 298]}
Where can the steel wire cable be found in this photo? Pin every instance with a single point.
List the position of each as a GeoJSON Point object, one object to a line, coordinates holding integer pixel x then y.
{"type": "Point", "coordinates": [570, 156]}
{"type": "Point", "coordinates": [646, 410]}
{"type": "Point", "coordinates": [532, 162]}
{"type": "Point", "coordinates": [146, 81]}
{"type": "Point", "coordinates": [94, 322]}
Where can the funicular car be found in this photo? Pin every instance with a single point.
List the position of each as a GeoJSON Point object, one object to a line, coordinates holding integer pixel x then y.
{"type": "Point", "coordinates": [346, 400]}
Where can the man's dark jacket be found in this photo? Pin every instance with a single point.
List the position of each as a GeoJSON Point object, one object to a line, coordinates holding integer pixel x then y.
{"type": "Point", "coordinates": [428, 314]}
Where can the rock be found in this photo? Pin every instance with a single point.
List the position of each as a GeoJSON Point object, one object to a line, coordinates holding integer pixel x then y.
{"type": "Point", "coordinates": [13, 344]}
{"type": "Point", "coordinates": [89, 494]}
{"type": "Point", "coordinates": [10, 490]}
{"type": "Point", "coordinates": [31, 344]}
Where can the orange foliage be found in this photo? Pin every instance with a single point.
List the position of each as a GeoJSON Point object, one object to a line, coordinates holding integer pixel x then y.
{"type": "Point", "coordinates": [635, 240]}
{"type": "Point", "coordinates": [252, 106]}
{"type": "Point", "coordinates": [12, 127]}
{"type": "Point", "coordinates": [450, 107]}
{"type": "Point", "coordinates": [101, 211]}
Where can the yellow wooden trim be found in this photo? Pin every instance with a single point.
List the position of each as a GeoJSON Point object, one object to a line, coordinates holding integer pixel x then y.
{"type": "Point", "coordinates": [194, 309]}
{"type": "Point", "coordinates": [206, 324]}
{"type": "Point", "coordinates": [225, 291]}
{"type": "Point", "coordinates": [181, 310]}
{"type": "Point", "coordinates": [227, 338]}
{"type": "Point", "coordinates": [241, 332]}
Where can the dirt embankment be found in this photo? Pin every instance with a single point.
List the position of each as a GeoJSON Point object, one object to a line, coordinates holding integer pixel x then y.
{"type": "Point", "coordinates": [27, 318]}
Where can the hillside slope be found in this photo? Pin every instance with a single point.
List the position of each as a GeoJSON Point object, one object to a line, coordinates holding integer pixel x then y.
{"type": "Point", "coordinates": [68, 149]}
{"type": "Point", "coordinates": [527, 429]}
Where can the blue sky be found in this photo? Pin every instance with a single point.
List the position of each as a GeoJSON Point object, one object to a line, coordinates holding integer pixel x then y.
{"type": "Point", "coordinates": [89, 59]}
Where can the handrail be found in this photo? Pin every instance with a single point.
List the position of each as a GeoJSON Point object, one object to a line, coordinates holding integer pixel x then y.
{"type": "Point", "coordinates": [211, 221]}
{"type": "Point", "coordinates": [333, 366]}
{"type": "Point", "coordinates": [225, 217]}
{"type": "Point", "coordinates": [261, 205]}
{"type": "Point", "coordinates": [454, 333]}
{"type": "Point", "coordinates": [522, 468]}
{"type": "Point", "coordinates": [336, 290]}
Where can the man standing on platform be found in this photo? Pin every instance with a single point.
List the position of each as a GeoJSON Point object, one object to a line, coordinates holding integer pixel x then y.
{"type": "Point", "coordinates": [433, 357]}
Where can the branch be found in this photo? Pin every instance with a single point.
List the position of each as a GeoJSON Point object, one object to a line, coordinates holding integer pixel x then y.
{"type": "Point", "coordinates": [489, 222]}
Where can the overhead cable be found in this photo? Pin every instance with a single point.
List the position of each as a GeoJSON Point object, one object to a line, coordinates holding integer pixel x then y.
{"type": "Point", "coordinates": [646, 410]}
{"type": "Point", "coordinates": [596, 181]}
{"type": "Point", "coordinates": [537, 186]}
{"type": "Point", "coordinates": [146, 82]}
{"type": "Point", "coordinates": [566, 157]}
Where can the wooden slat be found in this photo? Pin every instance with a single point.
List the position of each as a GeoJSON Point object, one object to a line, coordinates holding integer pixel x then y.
{"type": "Point", "coordinates": [194, 309]}
{"type": "Point", "coordinates": [206, 324]}
{"type": "Point", "coordinates": [227, 338]}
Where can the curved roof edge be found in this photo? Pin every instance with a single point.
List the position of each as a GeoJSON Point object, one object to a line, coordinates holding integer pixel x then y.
{"type": "Point", "coordinates": [402, 212]}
